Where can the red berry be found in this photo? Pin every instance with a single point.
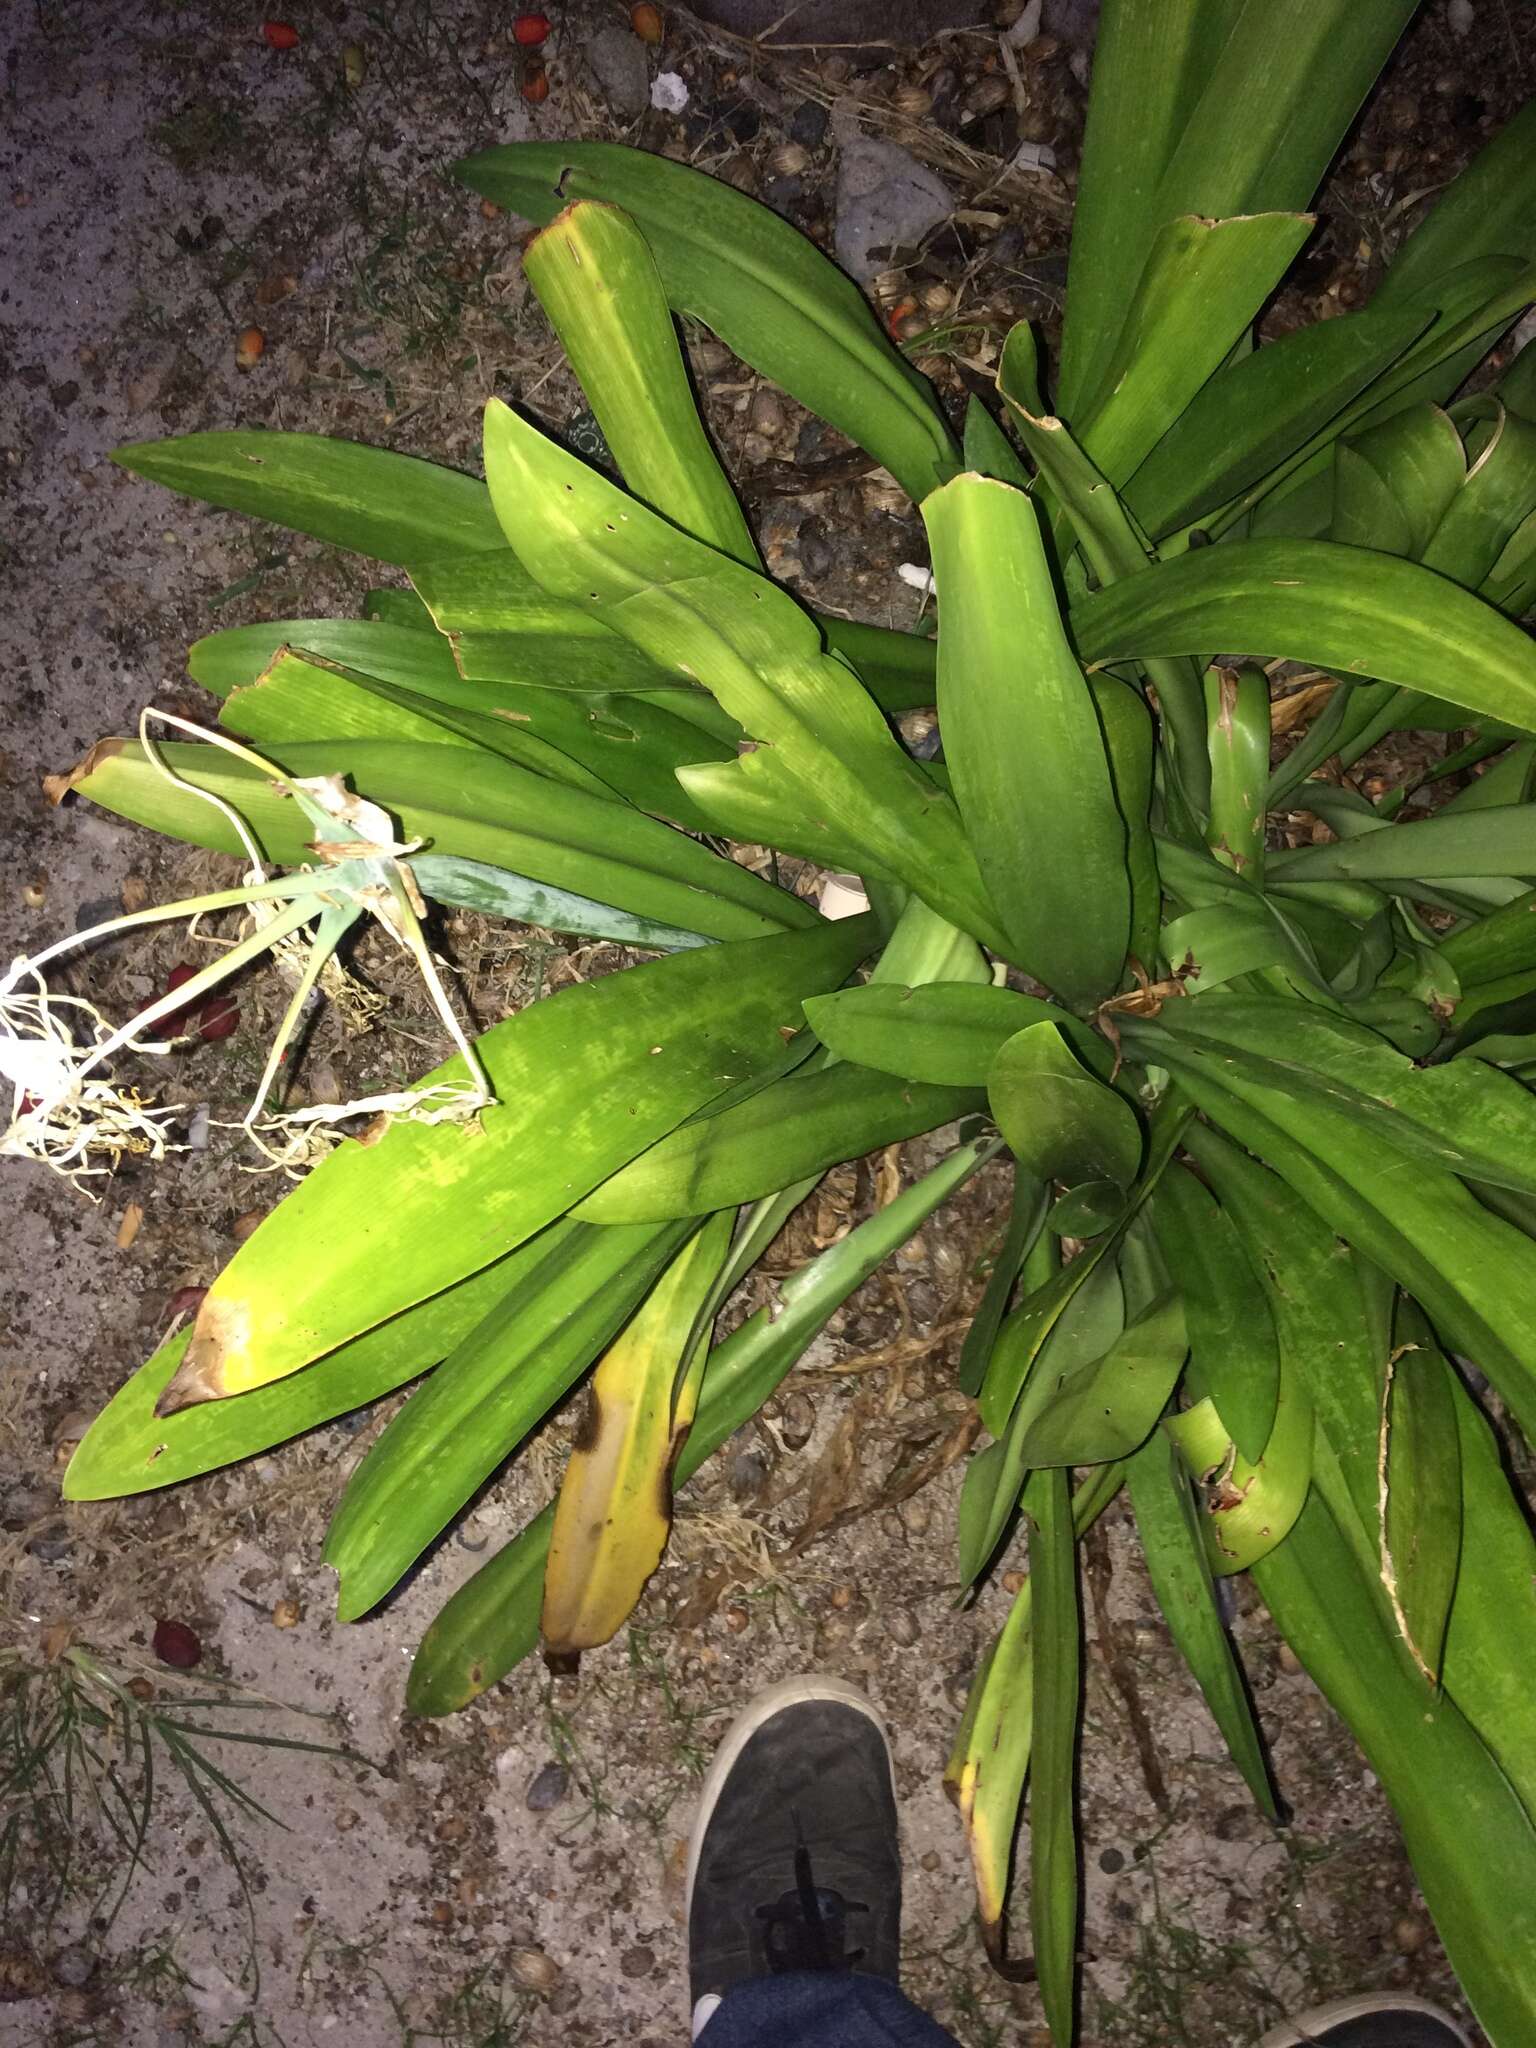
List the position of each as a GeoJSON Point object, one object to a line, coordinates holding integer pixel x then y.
{"type": "Point", "coordinates": [178, 1020]}
{"type": "Point", "coordinates": [282, 35]}
{"type": "Point", "coordinates": [218, 1018]}
{"type": "Point", "coordinates": [530, 30]}
{"type": "Point", "coordinates": [177, 1645]}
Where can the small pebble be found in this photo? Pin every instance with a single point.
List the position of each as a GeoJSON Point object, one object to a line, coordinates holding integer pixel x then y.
{"type": "Point", "coordinates": [1410, 1933]}
{"type": "Point", "coordinates": [177, 1645]}
{"type": "Point", "coordinates": [736, 1618]}
{"type": "Point", "coordinates": [1289, 1661]}
{"type": "Point", "coordinates": [809, 123]}
{"type": "Point", "coordinates": [1111, 1861]}
{"type": "Point", "coordinates": [916, 1514]}
{"type": "Point", "coordinates": [534, 1970]}
{"type": "Point", "coordinates": [901, 1627]}
{"type": "Point", "coordinates": [287, 1613]}
{"type": "Point", "coordinates": [638, 1961]}
{"type": "Point", "coordinates": [797, 1421]}
{"type": "Point", "coordinates": [547, 1788]}
{"type": "Point", "coordinates": [73, 1967]}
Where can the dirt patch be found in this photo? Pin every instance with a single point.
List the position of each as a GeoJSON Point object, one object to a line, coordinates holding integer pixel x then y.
{"type": "Point", "coordinates": [515, 1874]}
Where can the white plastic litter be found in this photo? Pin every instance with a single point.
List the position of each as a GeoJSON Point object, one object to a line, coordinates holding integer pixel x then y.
{"type": "Point", "coordinates": [918, 578]}
{"type": "Point", "coordinates": [668, 92]}
{"type": "Point", "coordinates": [843, 896]}
{"type": "Point", "coordinates": [1027, 27]}
{"type": "Point", "coordinates": [1034, 156]}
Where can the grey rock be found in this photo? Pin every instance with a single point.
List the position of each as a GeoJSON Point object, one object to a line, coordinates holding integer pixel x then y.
{"type": "Point", "coordinates": [73, 1967]}
{"type": "Point", "coordinates": [547, 1788]}
{"type": "Point", "coordinates": [616, 57]}
{"type": "Point", "coordinates": [809, 124]}
{"type": "Point", "coordinates": [886, 200]}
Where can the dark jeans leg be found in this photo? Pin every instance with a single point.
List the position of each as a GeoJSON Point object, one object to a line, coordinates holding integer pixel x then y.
{"type": "Point", "coordinates": [820, 2009]}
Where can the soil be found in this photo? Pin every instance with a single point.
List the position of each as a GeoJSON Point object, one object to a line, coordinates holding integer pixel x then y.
{"type": "Point", "coordinates": [514, 1874]}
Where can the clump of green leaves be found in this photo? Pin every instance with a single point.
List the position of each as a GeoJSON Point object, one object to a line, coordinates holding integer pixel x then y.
{"type": "Point", "coordinates": [1274, 1145]}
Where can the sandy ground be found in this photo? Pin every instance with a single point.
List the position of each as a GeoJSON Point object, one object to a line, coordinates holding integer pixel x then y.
{"type": "Point", "coordinates": [514, 1875]}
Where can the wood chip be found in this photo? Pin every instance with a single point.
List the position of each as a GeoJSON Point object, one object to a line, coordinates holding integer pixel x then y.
{"type": "Point", "coordinates": [128, 1229]}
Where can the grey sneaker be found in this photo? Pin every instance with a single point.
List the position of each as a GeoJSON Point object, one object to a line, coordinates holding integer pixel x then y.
{"type": "Point", "coordinates": [1373, 2019]}
{"type": "Point", "coordinates": [795, 1862]}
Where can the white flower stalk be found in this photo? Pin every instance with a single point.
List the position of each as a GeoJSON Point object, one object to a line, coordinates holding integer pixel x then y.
{"type": "Point", "coordinates": [68, 1112]}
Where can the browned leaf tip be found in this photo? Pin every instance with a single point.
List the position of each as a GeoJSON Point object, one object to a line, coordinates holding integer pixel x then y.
{"type": "Point", "coordinates": [57, 787]}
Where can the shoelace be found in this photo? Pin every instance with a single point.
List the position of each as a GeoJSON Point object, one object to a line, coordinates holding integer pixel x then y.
{"type": "Point", "coordinates": [807, 1926]}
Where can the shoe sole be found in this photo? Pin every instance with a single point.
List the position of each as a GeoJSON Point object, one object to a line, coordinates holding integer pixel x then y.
{"type": "Point", "coordinates": [789, 1692]}
{"type": "Point", "coordinates": [1309, 2027]}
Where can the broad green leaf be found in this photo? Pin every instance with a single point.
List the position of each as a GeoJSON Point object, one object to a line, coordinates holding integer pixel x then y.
{"type": "Point", "coordinates": [1090, 1319]}
{"type": "Point", "coordinates": [1503, 942]}
{"type": "Point", "coordinates": [1496, 497]}
{"type": "Point", "coordinates": [1421, 1519]}
{"type": "Point", "coordinates": [1056, 1703]}
{"type": "Point", "coordinates": [1149, 66]}
{"type": "Point", "coordinates": [987, 449]}
{"type": "Point", "coordinates": [492, 1622]}
{"type": "Point", "coordinates": [1464, 1116]}
{"type": "Point", "coordinates": [389, 606]}
{"type": "Point", "coordinates": [1237, 720]}
{"type": "Point", "coordinates": [990, 1758]}
{"type": "Point", "coordinates": [613, 1514]}
{"type": "Point", "coordinates": [1023, 743]}
{"type": "Point", "coordinates": [1250, 1505]}
{"type": "Point", "coordinates": [301, 697]}
{"type": "Point", "coordinates": [621, 744]}
{"type": "Point", "coordinates": [1168, 1524]}
{"type": "Point", "coordinates": [1471, 1841]}
{"type": "Point", "coordinates": [750, 277]}
{"type": "Point", "coordinates": [597, 280]}
{"type": "Point", "coordinates": [1314, 1302]}
{"type": "Point", "coordinates": [497, 892]}
{"type": "Point", "coordinates": [1202, 286]}
{"type": "Point", "coordinates": [944, 1031]}
{"type": "Point", "coordinates": [1394, 483]}
{"type": "Point", "coordinates": [1026, 1214]}
{"type": "Point", "coordinates": [1228, 1317]}
{"type": "Point", "coordinates": [1259, 409]}
{"type": "Point", "coordinates": [503, 627]}
{"type": "Point", "coordinates": [824, 744]}
{"type": "Point", "coordinates": [1473, 1273]}
{"type": "Point", "coordinates": [1112, 548]}
{"type": "Point", "coordinates": [795, 1127]}
{"type": "Point", "coordinates": [499, 1381]}
{"type": "Point", "coordinates": [1487, 210]}
{"type": "Point", "coordinates": [1131, 744]}
{"type": "Point", "coordinates": [458, 804]}
{"type": "Point", "coordinates": [238, 655]}
{"type": "Point", "coordinates": [1089, 1412]}
{"type": "Point", "coordinates": [1087, 1210]}
{"type": "Point", "coordinates": [1061, 1123]}
{"type": "Point", "coordinates": [1334, 607]}
{"type": "Point", "coordinates": [403, 1218]}
{"type": "Point", "coordinates": [1491, 1640]}
{"type": "Point", "coordinates": [393, 507]}
{"type": "Point", "coordinates": [131, 1449]}
{"type": "Point", "coordinates": [1032, 1325]}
